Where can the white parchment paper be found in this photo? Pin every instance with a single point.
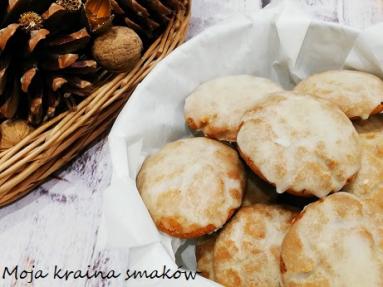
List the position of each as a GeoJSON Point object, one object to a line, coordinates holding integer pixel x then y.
{"type": "Point", "coordinates": [280, 43]}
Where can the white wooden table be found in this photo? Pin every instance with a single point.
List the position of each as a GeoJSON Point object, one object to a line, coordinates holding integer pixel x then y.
{"type": "Point", "coordinates": [57, 224]}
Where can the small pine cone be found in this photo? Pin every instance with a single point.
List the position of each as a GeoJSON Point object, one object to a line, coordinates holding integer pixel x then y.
{"type": "Point", "coordinates": [36, 49]}
{"type": "Point", "coordinates": [147, 17]}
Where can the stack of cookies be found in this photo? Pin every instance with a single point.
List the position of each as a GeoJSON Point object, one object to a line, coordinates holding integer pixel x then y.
{"type": "Point", "coordinates": [280, 188]}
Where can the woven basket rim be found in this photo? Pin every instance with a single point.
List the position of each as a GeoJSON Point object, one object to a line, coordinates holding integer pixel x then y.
{"type": "Point", "coordinates": [55, 143]}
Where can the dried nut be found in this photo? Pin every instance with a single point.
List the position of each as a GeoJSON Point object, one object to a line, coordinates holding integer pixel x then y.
{"type": "Point", "coordinates": [118, 50]}
{"type": "Point", "coordinates": [12, 132]}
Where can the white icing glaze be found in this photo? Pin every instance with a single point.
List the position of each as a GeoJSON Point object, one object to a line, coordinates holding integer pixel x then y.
{"type": "Point", "coordinates": [356, 93]}
{"type": "Point", "coordinates": [300, 143]}
{"type": "Point", "coordinates": [217, 106]}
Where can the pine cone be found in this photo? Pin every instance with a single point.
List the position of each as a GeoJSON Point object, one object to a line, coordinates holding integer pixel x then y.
{"type": "Point", "coordinates": [46, 65]}
{"type": "Point", "coordinates": [146, 17]}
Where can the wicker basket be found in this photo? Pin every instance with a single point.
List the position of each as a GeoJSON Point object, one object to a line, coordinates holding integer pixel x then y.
{"type": "Point", "coordinates": [54, 144]}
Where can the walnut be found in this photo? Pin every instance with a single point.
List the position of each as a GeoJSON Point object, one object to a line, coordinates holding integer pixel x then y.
{"type": "Point", "coordinates": [12, 132]}
{"type": "Point", "coordinates": [119, 49]}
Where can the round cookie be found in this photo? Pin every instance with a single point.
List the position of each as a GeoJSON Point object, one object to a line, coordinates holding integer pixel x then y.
{"type": "Point", "coordinates": [217, 106]}
{"type": "Point", "coordinates": [247, 250]}
{"type": "Point", "coordinates": [204, 256]}
{"type": "Point", "coordinates": [192, 186]}
{"type": "Point", "coordinates": [368, 183]}
{"type": "Point", "coordinates": [374, 200]}
{"type": "Point", "coordinates": [358, 94]}
{"type": "Point", "coordinates": [333, 242]}
{"type": "Point", "coordinates": [371, 171]}
{"type": "Point", "coordinates": [301, 144]}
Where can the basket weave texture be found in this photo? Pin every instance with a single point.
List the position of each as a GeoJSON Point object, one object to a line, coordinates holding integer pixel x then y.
{"type": "Point", "coordinates": [55, 143]}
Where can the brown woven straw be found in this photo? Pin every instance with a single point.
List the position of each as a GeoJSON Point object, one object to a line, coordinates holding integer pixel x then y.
{"type": "Point", "coordinates": [55, 143]}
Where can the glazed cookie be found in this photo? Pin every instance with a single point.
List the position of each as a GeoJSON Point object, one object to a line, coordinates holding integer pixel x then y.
{"type": "Point", "coordinates": [367, 183]}
{"type": "Point", "coordinates": [217, 106]}
{"type": "Point", "coordinates": [191, 187]}
{"type": "Point", "coordinates": [204, 256]}
{"type": "Point", "coordinates": [247, 250]}
{"type": "Point", "coordinates": [358, 94]}
{"type": "Point", "coordinates": [371, 171]}
{"type": "Point", "coordinates": [301, 144]}
{"type": "Point", "coordinates": [333, 242]}
{"type": "Point", "coordinates": [374, 200]}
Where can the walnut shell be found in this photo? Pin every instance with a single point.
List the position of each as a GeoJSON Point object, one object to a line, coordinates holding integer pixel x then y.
{"type": "Point", "coordinates": [118, 50]}
{"type": "Point", "coordinates": [12, 132]}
